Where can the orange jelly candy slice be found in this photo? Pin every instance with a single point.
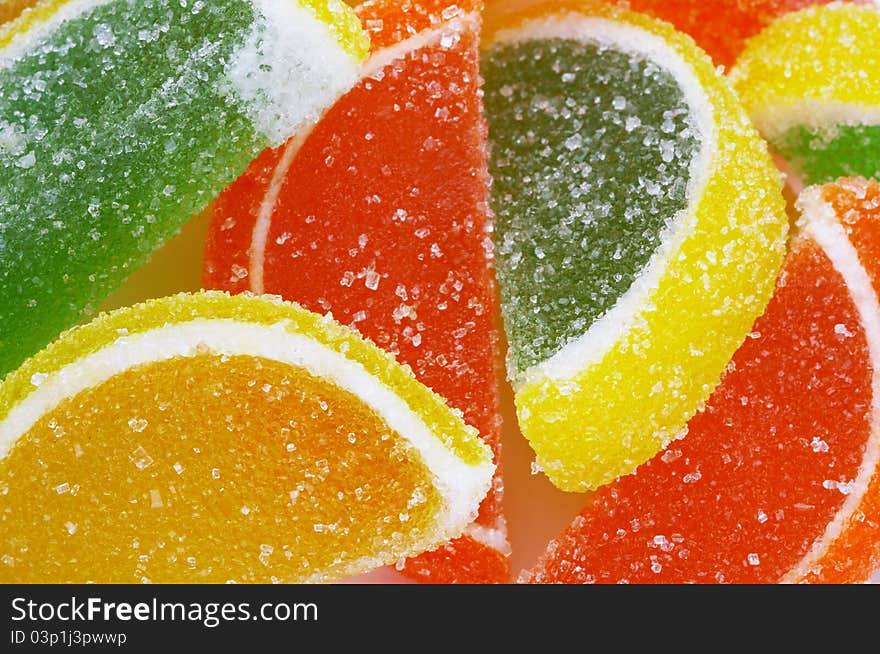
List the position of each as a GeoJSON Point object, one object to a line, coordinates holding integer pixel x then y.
{"type": "Point", "coordinates": [776, 481]}
{"type": "Point", "coordinates": [379, 215]}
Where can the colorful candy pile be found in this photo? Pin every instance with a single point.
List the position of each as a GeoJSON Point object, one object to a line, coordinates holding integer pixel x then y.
{"type": "Point", "coordinates": [392, 193]}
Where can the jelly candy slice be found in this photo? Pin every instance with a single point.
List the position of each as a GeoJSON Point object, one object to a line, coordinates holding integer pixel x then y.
{"type": "Point", "coordinates": [720, 27]}
{"type": "Point", "coordinates": [119, 120]}
{"type": "Point", "coordinates": [809, 81]}
{"type": "Point", "coordinates": [777, 479]}
{"type": "Point", "coordinates": [640, 226]}
{"type": "Point", "coordinates": [206, 438]}
{"type": "Point", "coordinates": [379, 215]}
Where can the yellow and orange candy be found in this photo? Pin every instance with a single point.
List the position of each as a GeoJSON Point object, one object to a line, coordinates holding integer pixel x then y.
{"type": "Point", "coordinates": [207, 438]}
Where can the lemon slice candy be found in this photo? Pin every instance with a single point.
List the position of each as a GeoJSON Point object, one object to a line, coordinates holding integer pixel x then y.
{"type": "Point", "coordinates": [205, 438]}
{"type": "Point", "coordinates": [120, 120]}
{"type": "Point", "coordinates": [640, 227]}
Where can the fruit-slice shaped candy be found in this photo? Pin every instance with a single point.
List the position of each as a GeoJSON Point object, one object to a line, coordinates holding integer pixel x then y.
{"type": "Point", "coordinates": [777, 479]}
{"type": "Point", "coordinates": [205, 438]}
{"type": "Point", "coordinates": [640, 227]}
{"type": "Point", "coordinates": [10, 9]}
{"type": "Point", "coordinates": [809, 82]}
{"type": "Point", "coordinates": [379, 215]}
{"type": "Point", "coordinates": [720, 27]}
{"type": "Point", "coordinates": [120, 120]}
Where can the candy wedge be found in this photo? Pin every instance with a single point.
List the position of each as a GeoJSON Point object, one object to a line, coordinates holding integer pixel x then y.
{"type": "Point", "coordinates": [120, 120]}
{"type": "Point", "coordinates": [379, 215]}
{"type": "Point", "coordinates": [809, 82]}
{"type": "Point", "coordinates": [777, 480]}
{"type": "Point", "coordinates": [640, 228]}
{"type": "Point", "coordinates": [205, 438]}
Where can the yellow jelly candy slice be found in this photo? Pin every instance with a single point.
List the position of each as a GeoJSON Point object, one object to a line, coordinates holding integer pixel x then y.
{"type": "Point", "coordinates": [810, 83]}
{"type": "Point", "coordinates": [209, 438]}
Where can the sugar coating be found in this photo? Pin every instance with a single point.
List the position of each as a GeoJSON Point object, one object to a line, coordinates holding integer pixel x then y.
{"type": "Point", "coordinates": [808, 83]}
{"type": "Point", "coordinates": [615, 395]}
{"type": "Point", "coordinates": [378, 215]}
{"type": "Point", "coordinates": [286, 69]}
{"type": "Point", "coordinates": [105, 152]}
{"type": "Point", "coordinates": [850, 550]}
{"type": "Point", "coordinates": [720, 28]}
{"type": "Point", "coordinates": [143, 521]}
{"type": "Point", "coordinates": [269, 399]}
{"type": "Point", "coordinates": [776, 479]}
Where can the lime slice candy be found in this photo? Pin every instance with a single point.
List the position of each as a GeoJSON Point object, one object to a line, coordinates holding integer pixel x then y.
{"type": "Point", "coordinates": [120, 120]}
{"type": "Point", "coordinates": [640, 228]}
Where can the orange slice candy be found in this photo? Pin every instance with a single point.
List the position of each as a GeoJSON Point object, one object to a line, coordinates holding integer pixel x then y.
{"type": "Point", "coordinates": [777, 480]}
{"type": "Point", "coordinates": [207, 438]}
{"type": "Point", "coordinates": [379, 216]}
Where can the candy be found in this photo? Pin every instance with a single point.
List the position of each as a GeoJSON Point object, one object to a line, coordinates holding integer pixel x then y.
{"type": "Point", "coordinates": [809, 83]}
{"type": "Point", "coordinates": [777, 479]}
{"type": "Point", "coordinates": [640, 227]}
{"type": "Point", "coordinates": [378, 215]}
{"type": "Point", "coordinates": [120, 120]}
{"type": "Point", "coordinates": [206, 438]}
{"type": "Point", "coordinates": [720, 27]}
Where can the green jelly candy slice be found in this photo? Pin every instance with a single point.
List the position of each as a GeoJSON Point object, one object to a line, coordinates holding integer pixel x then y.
{"type": "Point", "coordinates": [121, 119]}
